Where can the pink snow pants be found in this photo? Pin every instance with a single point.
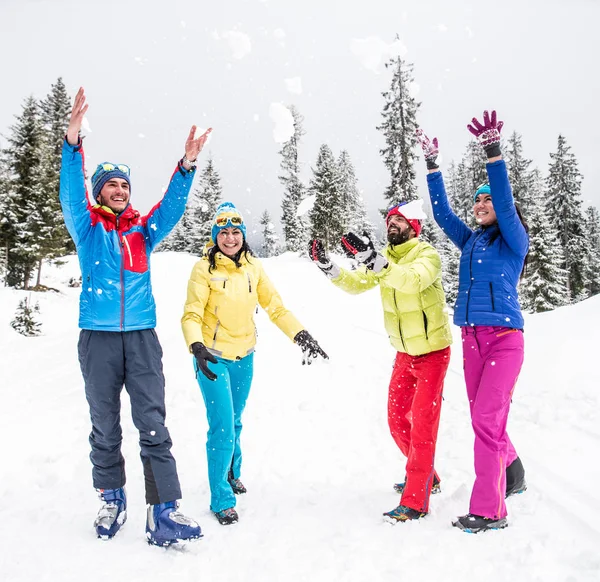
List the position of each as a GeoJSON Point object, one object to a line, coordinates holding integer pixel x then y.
{"type": "Point", "coordinates": [492, 358]}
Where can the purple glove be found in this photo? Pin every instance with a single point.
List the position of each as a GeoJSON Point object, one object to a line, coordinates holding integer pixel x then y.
{"type": "Point", "coordinates": [430, 149]}
{"type": "Point", "coordinates": [488, 134]}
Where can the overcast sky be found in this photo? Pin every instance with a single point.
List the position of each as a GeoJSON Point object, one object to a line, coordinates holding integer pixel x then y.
{"type": "Point", "coordinates": [152, 69]}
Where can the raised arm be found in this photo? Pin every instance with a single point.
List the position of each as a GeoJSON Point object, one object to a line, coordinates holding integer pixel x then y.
{"type": "Point", "coordinates": [73, 192]}
{"type": "Point", "coordinates": [454, 228]}
{"type": "Point", "coordinates": [166, 214]}
{"type": "Point", "coordinates": [512, 230]}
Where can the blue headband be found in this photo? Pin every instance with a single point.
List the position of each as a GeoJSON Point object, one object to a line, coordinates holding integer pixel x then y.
{"type": "Point", "coordinates": [483, 189]}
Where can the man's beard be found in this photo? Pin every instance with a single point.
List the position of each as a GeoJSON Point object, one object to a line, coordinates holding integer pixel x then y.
{"type": "Point", "coordinates": [398, 237]}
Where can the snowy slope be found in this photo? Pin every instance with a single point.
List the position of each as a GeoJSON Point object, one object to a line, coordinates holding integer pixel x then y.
{"type": "Point", "coordinates": [319, 462]}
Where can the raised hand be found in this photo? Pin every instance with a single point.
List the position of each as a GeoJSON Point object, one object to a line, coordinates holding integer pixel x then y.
{"type": "Point", "coordinates": [318, 254]}
{"type": "Point", "coordinates": [310, 348]}
{"type": "Point", "coordinates": [76, 119]}
{"type": "Point", "coordinates": [193, 147]}
{"type": "Point", "coordinates": [364, 251]}
{"type": "Point", "coordinates": [488, 133]}
{"type": "Point", "coordinates": [430, 149]}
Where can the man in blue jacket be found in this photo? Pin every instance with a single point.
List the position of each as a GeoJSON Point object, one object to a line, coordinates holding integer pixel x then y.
{"type": "Point", "coordinates": [118, 345]}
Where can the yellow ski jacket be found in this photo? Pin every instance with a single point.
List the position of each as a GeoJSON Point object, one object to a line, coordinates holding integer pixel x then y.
{"type": "Point", "coordinates": [414, 304]}
{"type": "Point", "coordinates": [220, 306]}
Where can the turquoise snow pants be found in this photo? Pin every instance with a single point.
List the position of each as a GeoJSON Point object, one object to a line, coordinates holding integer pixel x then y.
{"type": "Point", "coordinates": [225, 400]}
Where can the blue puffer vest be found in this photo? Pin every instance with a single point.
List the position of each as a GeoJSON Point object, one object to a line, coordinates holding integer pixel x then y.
{"type": "Point", "coordinates": [492, 257]}
{"type": "Point", "coordinates": [114, 250]}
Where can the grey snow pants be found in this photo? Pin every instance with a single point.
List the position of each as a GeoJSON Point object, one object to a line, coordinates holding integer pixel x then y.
{"type": "Point", "coordinates": [110, 360]}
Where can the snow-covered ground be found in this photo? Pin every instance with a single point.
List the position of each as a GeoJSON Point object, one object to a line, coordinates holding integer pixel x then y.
{"type": "Point", "coordinates": [319, 463]}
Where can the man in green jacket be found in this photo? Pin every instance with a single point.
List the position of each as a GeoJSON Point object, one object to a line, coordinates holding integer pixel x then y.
{"type": "Point", "coordinates": [409, 275]}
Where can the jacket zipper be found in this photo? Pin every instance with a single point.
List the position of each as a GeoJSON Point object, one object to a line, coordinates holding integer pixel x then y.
{"type": "Point", "coordinates": [128, 251]}
{"type": "Point", "coordinates": [471, 276]}
{"type": "Point", "coordinates": [492, 296]}
{"type": "Point", "coordinates": [215, 335]}
{"type": "Point", "coordinates": [122, 279]}
{"type": "Point", "coordinates": [399, 325]}
{"type": "Point", "coordinates": [249, 283]}
{"type": "Point", "coordinates": [425, 324]}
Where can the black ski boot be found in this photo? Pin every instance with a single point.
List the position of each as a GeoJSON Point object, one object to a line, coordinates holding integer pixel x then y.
{"type": "Point", "coordinates": [515, 478]}
{"type": "Point", "coordinates": [236, 484]}
{"type": "Point", "coordinates": [471, 523]}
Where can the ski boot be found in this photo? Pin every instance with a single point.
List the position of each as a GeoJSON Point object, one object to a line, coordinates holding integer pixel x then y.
{"type": "Point", "coordinates": [403, 513]}
{"type": "Point", "coordinates": [112, 514]}
{"type": "Point", "coordinates": [236, 484]}
{"type": "Point", "coordinates": [471, 523]}
{"type": "Point", "coordinates": [227, 516]}
{"type": "Point", "coordinates": [166, 526]}
{"type": "Point", "coordinates": [515, 478]}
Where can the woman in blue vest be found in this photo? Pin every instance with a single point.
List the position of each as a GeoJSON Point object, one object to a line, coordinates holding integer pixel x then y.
{"type": "Point", "coordinates": [487, 310]}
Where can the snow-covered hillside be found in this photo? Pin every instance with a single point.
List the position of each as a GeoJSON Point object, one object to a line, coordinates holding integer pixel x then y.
{"type": "Point", "coordinates": [319, 462]}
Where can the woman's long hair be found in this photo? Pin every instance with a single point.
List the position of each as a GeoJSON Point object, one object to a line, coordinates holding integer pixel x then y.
{"type": "Point", "coordinates": [212, 255]}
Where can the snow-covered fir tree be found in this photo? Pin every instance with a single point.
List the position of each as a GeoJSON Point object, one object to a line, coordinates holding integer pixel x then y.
{"type": "Point", "coordinates": [193, 230]}
{"type": "Point", "coordinates": [55, 112]}
{"type": "Point", "coordinates": [518, 170]}
{"type": "Point", "coordinates": [544, 285]}
{"type": "Point", "coordinates": [472, 174]}
{"type": "Point", "coordinates": [269, 244]}
{"type": "Point", "coordinates": [295, 230]}
{"type": "Point", "coordinates": [25, 321]}
{"type": "Point", "coordinates": [23, 218]}
{"type": "Point", "coordinates": [326, 215]}
{"type": "Point", "coordinates": [563, 199]}
{"type": "Point", "coordinates": [398, 128]}
{"type": "Point", "coordinates": [592, 232]}
{"type": "Point", "coordinates": [354, 214]}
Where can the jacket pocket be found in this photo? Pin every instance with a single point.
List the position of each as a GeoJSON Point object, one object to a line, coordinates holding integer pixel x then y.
{"type": "Point", "coordinates": [134, 252]}
{"type": "Point", "coordinates": [492, 296]}
{"type": "Point", "coordinates": [425, 324]}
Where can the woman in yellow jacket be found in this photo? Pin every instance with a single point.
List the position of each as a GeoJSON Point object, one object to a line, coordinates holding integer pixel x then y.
{"type": "Point", "coordinates": [218, 325]}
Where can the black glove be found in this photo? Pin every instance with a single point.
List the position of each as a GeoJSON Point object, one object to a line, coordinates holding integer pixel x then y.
{"type": "Point", "coordinates": [202, 356]}
{"type": "Point", "coordinates": [364, 252]}
{"type": "Point", "coordinates": [310, 348]}
{"type": "Point", "coordinates": [318, 254]}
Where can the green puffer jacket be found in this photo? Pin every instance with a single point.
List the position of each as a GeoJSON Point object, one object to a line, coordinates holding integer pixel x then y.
{"type": "Point", "coordinates": [414, 304]}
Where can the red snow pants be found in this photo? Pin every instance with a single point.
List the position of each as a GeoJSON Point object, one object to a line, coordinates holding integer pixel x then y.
{"type": "Point", "coordinates": [414, 406]}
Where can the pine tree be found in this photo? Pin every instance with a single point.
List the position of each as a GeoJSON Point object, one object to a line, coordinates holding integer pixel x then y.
{"type": "Point", "coordinates": [518, 170]}
{"type": "Point", "coordinates": [194, 229]}
{"type": "Point", "coordinates": [563, 196]}
{"type": "Point", "coordinates": [24, 224]}
{"type": "Point", "coordinates": [398, 127]}
{"type": "Point", "coordinates": [55, 114]}
{"type": "Point", "coordinates": [25, 321]}
{"type": "Point", "coordinates": [592, 232]}
{"type": "Point", "coordinates": [326, 215]}
{"type": "Point", "coordinates": [294, 226]}
{"type": "Point", "coordinates": [354, 215]}
{"type": "Point", "coordinates": [269, 237]}
{"type": "Point", "coordinates": [544, 286]}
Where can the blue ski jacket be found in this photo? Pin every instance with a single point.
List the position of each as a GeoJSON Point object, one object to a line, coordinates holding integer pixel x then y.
{"type": "Point", "coordinates": [492, 257]}
{"type": "Point", "coordinates": [114, 250]}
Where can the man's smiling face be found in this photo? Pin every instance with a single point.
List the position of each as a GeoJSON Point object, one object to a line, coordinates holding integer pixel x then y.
{"type": "Point", "coordinates": [398, 230]}
{"type": "Point", "coordinates": [115, 194]}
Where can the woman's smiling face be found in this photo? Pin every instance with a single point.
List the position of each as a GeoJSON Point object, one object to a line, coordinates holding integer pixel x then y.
{"type": "Point", "coordinates": [230, 241]}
